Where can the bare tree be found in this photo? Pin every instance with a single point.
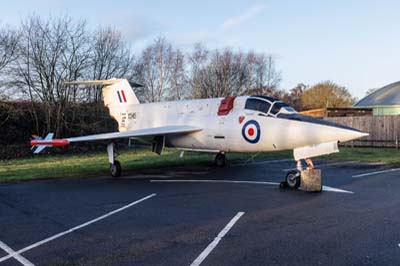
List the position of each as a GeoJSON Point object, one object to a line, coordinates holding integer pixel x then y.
{"type": "Point", "coordinates": [50, 52]}
{"type": "Point", "coordinates": [179, 79]}
{"type": "Point", "coordinates": [76, 58]}
{"type": "Point", "coordinates": [111, 58]}
{"type": "Point", "coordinates": [9, 38]}
{"type": "Point", "coordinates": [227, 72]}
{"type": "Point", "coordinates": [295, 94]}
{"type": "Point", "coordinates": [154, 69]}
{"type": "Point", "coordinates": [263, 76]}
{"type": "Point", "coordinates": [215, 74]}
{"type": "Point", "coordinates": [272, 76]}
{"type": "Point", "coordinates": [196, 63]}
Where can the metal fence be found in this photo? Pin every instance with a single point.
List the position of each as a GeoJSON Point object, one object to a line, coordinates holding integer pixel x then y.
{"type": "Point", "coordinates": [384, 131]}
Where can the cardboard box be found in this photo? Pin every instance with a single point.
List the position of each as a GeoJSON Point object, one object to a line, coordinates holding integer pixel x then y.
{"type": "Point", "coordinates": [311, 180]}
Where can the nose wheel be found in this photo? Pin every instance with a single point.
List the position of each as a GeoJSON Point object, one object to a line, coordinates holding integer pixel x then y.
{"type": "Point", "coordinates": [292, 180]}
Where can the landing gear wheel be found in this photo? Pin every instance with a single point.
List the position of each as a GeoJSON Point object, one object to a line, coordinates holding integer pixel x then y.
{"type": "Point", "coordinates": [115, 169]}
{"type": "Point", "coordinates": [220, 160]}
{"type": "Point", "coordinates": [293, 179]}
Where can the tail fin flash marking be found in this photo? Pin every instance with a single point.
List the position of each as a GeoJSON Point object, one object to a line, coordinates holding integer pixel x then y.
{"type": "Point", "coordinates": [123, 95]}
{"type": "Point", "coordinates": [119, 97]}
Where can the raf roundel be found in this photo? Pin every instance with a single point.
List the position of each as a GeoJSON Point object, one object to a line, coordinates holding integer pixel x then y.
{"type": "Point", "coordinates": [251, 131]}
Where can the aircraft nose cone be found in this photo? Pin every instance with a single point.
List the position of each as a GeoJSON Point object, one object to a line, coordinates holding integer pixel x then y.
{"type": "Point", "coordinates": [314, 130]}
{"type": "Point", "coordinates": [349, 134]}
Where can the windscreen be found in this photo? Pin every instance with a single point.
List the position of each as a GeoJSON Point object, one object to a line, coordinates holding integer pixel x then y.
{"type": "Point", "coordinates": [279, 105]}
{"type": "Point", "coordinates": [257, 105]}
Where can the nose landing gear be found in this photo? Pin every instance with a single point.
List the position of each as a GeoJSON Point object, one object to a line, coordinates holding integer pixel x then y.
{"type": "Point", "coordinates": [293, 178]}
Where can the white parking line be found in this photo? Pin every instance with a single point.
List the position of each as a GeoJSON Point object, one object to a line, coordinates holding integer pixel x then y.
{"type": "Point", "coordinates": [264, 162]}
{"type": "Point", "coordinates": [14, 253]}
{"type": "Point", "coordinates": [332, 189]}
{"type": "Point", "coordinates": [324, 188]}
{"type": "Point", "coordinates": [203, 255]}
{"type": "Point", "coordinates": [212, 181]}
{"type": "Point", "coordinates": [377, 172]}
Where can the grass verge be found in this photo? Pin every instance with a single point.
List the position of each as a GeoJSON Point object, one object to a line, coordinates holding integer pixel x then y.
{"type": "Point", "coordinates": [385, 155]}
{"type": "Point", "coordinates": [95, 164]}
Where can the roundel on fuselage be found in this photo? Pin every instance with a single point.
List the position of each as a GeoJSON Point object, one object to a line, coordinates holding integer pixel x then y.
{"type": "Point", "coordinates": [251, 131]}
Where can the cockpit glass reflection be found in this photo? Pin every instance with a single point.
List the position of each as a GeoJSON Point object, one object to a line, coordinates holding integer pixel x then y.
{"type": "Point", "coordinates": [263, 105]}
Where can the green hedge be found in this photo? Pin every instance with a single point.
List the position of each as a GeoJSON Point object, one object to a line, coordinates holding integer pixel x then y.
{"type": "Point", "coordinates": [17, 124]}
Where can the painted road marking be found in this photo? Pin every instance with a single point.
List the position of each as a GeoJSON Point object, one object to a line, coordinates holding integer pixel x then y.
{"type": "Point", "coordinates": [377, 172]}
{"type": "Point", "coordinates": [263, 162]}
{"type": "Point", "coordinates": [212, 181]}
{"type": "Point", "coordinates": [332, 189]}
{"type": "Point", "coordinates": [14, 253]}
{"type": "Point", "coordinates": [324, 188]}
{"type": "Point", "coordinates": [203, 255]}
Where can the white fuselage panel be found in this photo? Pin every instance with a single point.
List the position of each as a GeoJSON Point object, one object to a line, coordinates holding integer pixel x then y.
{"type": "Point", "coordinates": [239, 131]}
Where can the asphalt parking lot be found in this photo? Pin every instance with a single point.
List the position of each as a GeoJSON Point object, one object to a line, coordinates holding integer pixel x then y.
{"type": "Point", "coordinates": [205, 216]}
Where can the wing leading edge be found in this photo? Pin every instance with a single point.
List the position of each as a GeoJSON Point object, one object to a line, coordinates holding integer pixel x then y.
{"type": "Point", "coordinates": [147, 132]}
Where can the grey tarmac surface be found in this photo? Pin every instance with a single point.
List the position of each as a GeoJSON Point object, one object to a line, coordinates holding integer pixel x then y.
{"type": "Point", "coordinates": [279, 227]}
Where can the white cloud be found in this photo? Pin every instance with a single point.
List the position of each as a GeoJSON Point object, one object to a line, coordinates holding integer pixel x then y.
{"type": "Point", "coordinates": [213, 37]}
{"type": "Point", "coordinates": [135, 27]}
{"type": "Point", "coordinates": [246, 15]}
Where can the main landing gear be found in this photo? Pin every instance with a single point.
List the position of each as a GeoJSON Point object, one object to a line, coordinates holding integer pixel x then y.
{"type": "Point", "coordinates": [115, 166]}
{"type": "Point", "coordinates": [220, 159]}
{"type": "Point", "coordinates": [293, 178]}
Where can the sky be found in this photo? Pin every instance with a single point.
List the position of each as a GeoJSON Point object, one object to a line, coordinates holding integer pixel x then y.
{"type": "Point", "coordinates": [353, 43]}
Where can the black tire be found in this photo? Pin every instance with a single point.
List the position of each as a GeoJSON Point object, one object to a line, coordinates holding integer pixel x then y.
{"type": "Point", "coordinates": [220, 160]}
{"type": "Point", "coordinates": [293, 179]}
{"type": "Point", "coordinates": [115, 169]}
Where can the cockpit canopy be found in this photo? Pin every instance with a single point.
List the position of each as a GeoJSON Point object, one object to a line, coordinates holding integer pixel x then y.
{"type": "Point", "coordinates": [268, 106]}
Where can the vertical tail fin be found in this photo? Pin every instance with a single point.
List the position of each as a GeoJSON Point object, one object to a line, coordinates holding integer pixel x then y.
{"type": "Point", "coordinates": [119, 92]}
{"type": "Point", "coordinates": [117, 95]}
{"type": "Point", "coordinates": [115, 91]}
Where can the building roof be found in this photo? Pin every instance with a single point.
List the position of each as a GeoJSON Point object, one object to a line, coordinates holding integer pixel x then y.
{"type": "Point", "coordinates": [337, 112]}
{"type": "Point", "coordinates": [386, 96]}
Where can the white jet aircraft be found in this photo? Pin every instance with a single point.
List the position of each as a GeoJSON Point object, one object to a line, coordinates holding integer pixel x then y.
{"type": "Point", "coordinates": [221, 125]}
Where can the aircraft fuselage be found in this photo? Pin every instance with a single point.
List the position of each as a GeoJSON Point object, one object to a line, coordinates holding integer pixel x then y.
{"type": "Point", "coordinates": [240, 130]}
